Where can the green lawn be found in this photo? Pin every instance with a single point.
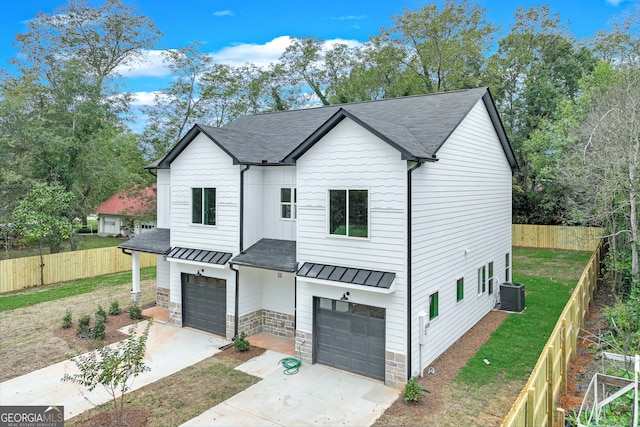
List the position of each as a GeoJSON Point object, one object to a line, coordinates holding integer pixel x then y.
{"type": "Point", "coordinates": [515, 346]}
{"type": "Point", "coordinates": [35, 295]}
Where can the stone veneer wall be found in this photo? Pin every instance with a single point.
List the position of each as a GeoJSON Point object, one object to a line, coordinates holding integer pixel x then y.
{"type": "Point", "coordinates": [251, 323]}
{"type": "Point", "coordinates": [279, 324]}
{"type": "Point", "coordinates": [304, 341]}
{"type": "Point", "coordinates": [175, 313]}
{"type": "Point", "coordinates": [394, 370]}
{"type": "Point", "coordinates": [230, 326]}
{"type": "Point", "coordinates": [162, 297]}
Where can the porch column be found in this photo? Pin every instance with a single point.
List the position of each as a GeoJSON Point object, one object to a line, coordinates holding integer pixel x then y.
{"type": "Point", "coordinates": [136, 292]}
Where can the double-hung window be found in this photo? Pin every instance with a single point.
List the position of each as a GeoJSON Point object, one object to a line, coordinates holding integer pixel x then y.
{"type": "Point", "coordinates": [349, 213]}
{"type": "Point", "coordinates": [288, 203]}
{"type": "Point", "coordinates": [203, 206]}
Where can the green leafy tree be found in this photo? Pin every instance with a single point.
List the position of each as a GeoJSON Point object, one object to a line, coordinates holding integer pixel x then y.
{"type": "Point", "coordinates": [114, 368]}
{"type": "Point", "coordinates": [303, 61]}
{"type": "Point", "coordinates": [444, 47]}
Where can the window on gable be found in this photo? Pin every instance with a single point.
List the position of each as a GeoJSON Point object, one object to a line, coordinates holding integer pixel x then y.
{"type": "Point", "coordinates": [349, 213]}
{"type": "Point", "coordinates": [433, 306]}
{"type": "Point", "coordinates": [491, 278]}
{"type": "Point", "coordinates": [288, 203]}
{"type": "Point", "coordinates": [482, 279]}
{"type": "Point", "coordinates": [460, 289]}
{"type": "Point", "coordinates": [203, 206]}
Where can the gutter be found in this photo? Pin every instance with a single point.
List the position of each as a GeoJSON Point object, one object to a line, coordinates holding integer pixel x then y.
{"type": "Point", "coordinates": [236, 308]}
{"type": "Point", "coordinates": [242, 171]}
{"type": "Point", "coordinates": [409, 255]}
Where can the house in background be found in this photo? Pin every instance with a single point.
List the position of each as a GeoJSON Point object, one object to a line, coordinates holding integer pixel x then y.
{"type": "Point", "coordinates": [374, 234]}
{"type": "Point", "coordinates": [125, 214]}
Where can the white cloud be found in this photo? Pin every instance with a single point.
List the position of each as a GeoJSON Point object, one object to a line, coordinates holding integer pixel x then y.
{"type": "Point", "coordinates": [144, 98]}
{"type": "Point", "coordinates": [223, 13]}
{"type": "Point", "coordinates": [614, 2]}
{"type": "Point", "coordinates": [350, 17]}
{"type": "Point", "coordinates": [149, 66]}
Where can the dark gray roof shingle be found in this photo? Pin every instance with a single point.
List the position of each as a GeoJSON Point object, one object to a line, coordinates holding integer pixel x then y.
{"type": "Point", "coordinates": [156, 241]}
{"type": "Point", "coordinates": [415, 125]}
{"type": "Point", "coordinates": [273, 254]}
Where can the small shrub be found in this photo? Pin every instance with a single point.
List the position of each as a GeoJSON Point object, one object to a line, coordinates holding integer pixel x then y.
{"type": "Point", "coordinates": [413, 391]}
{"type": "Point", "coordinates": [101, 315]}
{"type": "Point", "coordinates": [135, 312]}
{"type": "Point", "coordinates": [114, 308]}
{"type": "Point", "coordinates": [97, 332]}
{"type": "Point", "coordinates": [240, 342]}
{"type": "Point", "coordinates": [67, 321]}
{"type": "Point", "coordinates": [83, 324]}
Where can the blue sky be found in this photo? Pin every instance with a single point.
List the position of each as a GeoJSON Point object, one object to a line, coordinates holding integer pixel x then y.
{"type": "Point", "coordinates": [257, 31]}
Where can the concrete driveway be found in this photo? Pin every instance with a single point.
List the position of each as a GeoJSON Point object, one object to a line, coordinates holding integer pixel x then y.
{"type": "Point", "coordinates": [169, 349]}
{"type": "Point", "coordinates": [316, 395]}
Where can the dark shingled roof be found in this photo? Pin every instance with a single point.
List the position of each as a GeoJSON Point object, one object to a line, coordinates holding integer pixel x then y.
{"type": "Point", "coordinates": [154, 241]}
{"type": "Point", "coordinates": [272, 254]}
{"type": "Point", "coordinates": [416, 126]}
{"type": "Point", "coordinates": [199, 255]}
{"type": "Point", "coordinates": [357, 276]}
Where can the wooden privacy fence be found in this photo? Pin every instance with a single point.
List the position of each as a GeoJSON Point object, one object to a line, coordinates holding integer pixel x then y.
{"type": "Point", "coordinates": [22, 273]}
{"type": "Point", "coordinates": [556, 237]}
{"type": "Point", "coordinates": [535, 406]}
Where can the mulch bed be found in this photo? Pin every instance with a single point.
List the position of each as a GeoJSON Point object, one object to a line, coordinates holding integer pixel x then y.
{"type": "Point", "coordinates": [240, 356]}
{"type": "Point", "coordinates": [446, 366]}
{"type": "Point", "coordinates": [111, 335]}
{"type": "Point", "coordinates": [131, 417]}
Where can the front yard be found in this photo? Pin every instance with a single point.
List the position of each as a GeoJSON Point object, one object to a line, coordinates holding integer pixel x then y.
{"type": "Point", "coordinates": [461, 394]}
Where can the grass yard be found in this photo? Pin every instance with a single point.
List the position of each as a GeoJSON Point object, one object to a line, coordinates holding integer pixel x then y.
{"type": "Point", "coordinates": [482, 394]}
{"type": "Point", "coordinates": [38, 294]}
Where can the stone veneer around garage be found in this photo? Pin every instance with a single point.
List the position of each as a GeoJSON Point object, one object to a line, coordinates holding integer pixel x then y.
{"type": "Point", "coordinates": [175, 313]}
{"type": "Point", "coordinates": [162, 297]}
{"type": "Point", "coordinates": [394, 370]}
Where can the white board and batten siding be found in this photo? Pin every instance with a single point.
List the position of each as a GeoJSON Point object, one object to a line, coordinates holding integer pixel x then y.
{"type": "Point", "coordinates": [163, 198]}
{"type": "Point", "coordinates": [350, 157]}
{"type": "Point", "coordinates": [461, 221]}
{"type": "Point", "coordinates": [262, 204]}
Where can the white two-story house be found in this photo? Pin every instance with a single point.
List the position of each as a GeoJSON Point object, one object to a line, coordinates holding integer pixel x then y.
{"type": "Point", "coordinates": [373, 233]}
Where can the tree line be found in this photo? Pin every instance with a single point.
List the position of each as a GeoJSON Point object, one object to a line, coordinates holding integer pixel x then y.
{"type": "Point", "coordinates": [569, 107]}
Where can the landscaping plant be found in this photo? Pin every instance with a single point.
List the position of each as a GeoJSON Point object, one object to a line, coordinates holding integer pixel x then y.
{"type": "Point", "coordinates": [98, 330]}
{"type": "Point", "coordinates": [114, 308]}
{"type": "Point", "coordinates": [240, 342]}
{"type": "Point", "coordinates": [114, 368]}
{"type": "Point", "coordinates": [101, 315]}
{"type": "Point", "coordinates": [135, 312]}
{"type": "Point", "coordinates": [67, 321]}
{"type": "Point", "coordinates": [83, 324]}
{"type": "Point", "coordinates": [413, 391]}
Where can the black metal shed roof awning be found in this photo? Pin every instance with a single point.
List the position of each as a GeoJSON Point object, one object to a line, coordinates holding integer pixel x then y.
{"type": "Point", "coordinates": [154, 241]}
{"type": "Point", "coordinates": [272, 254]}
{"type": "Point", "coordinates": [356, 276]}
{"type": "Point", "coordinates": [199, 255]}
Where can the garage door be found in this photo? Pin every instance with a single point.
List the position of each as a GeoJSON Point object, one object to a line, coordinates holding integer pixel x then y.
{"type": "Point", "coordinates": [350, 337]}
{"type": "Point", "coordinates": [204, 303]}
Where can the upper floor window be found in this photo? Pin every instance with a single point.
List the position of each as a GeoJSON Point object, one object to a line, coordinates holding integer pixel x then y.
{"type": "Point", "coordinates": [288, 203]}
{"type": "Point", "coordinates": [349, 213]}
{"type": "Point", "coordinates": [203, 206]}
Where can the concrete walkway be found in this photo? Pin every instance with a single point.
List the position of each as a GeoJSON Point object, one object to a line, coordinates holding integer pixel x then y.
{"type": "Point", "coordinates": [316, 395]}
{"type": "Point", "coordinates": [169, 349]}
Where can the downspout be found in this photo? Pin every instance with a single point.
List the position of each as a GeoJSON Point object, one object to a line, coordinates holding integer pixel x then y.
{"type": "Point", "coordinates": [242, 208]}
{"type": "Point", "coordinates": [409, 227]}
{"type": "Point", "coordinates": [237, 304]}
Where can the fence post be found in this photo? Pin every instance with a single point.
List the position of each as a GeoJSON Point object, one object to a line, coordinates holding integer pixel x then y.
{"type": "Point", "coordinates": [551, 356]}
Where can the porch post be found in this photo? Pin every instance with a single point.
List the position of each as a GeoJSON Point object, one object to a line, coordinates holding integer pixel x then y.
{"type": "Point", "coordinates": [136, 292]}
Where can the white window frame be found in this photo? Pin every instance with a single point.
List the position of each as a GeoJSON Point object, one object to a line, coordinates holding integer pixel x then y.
{"type": "Point", "coordinates": [202, 207]}
{"type": "Point", "coordinates": [482, 280]}
{"type": "Point", "coordinates": [293, 204]}
{"type": "Point", "coordinates": [346, 235]}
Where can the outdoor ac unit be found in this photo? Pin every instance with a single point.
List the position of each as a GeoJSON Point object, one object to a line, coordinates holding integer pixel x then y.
{"type": "Point", "coordinates": [512, 296]}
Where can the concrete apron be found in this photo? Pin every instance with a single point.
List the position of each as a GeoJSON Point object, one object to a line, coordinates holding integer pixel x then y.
{"type": "Point", "coordinates": [169, 349]}
{"type": "Point", "coordinates": [316, 395]}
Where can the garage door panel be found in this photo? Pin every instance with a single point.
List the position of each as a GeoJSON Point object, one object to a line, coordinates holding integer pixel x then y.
{"type": "Point", "coordinates": [204, 303]}
{"type": "Point", "coordinates": [350, 337]}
